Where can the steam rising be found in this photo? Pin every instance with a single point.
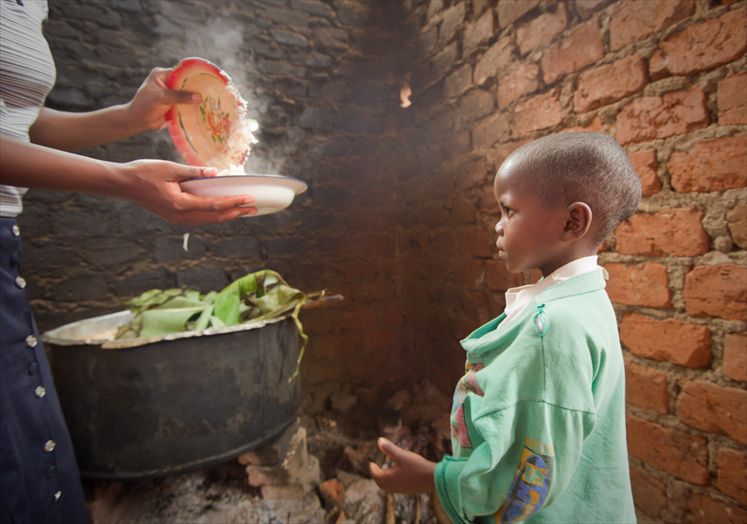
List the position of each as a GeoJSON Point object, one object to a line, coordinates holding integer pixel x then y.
{"type": "Point", "coordinates": [184, 32]}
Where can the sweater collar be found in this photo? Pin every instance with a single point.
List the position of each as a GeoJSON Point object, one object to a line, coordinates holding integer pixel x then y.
{"type": "Point", "coordinates": [487, 338]}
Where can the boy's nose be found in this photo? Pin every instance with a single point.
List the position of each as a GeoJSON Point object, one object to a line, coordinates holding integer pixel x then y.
{"type": "Point", "coordinates": [498, 228]}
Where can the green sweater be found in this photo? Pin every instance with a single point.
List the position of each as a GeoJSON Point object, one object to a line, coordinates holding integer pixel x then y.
{"type": "Point", "coordinates": [538, 420]}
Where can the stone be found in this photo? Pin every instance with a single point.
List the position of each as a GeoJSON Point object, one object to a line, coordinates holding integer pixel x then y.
{"type": "Point", "coordinates": [736, 219]}
{"type": "Point", "coordinates": [364, 499]}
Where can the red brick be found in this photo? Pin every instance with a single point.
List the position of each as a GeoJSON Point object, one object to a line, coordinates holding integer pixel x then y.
{"type": "Point", "coordinates": [651, 117]}
{"type": "Point", "coordinates": [539, 112]}
{"type": "Point", "coordinates": [479, 31]}
{"type": "Point", "coordinates": [503, 150]}
{"type": "Point", "coordinates": [609, 83]}
{"type": "Point", "coordinates": [735, 356]}
{"type": "Point", "coordinates": [475, 105]}
{"type": "Point", "coordinates": [463, 211]}
{"type": "Point", "coordinates": [473, 174]}
{"type": "Point", "coordinates": [732, 473]}
{"type": "Point", "coordinates": [634, 20]}
{"type": "Point", "coordinates": [509, 11]}
{"type": "Point", "coordinates": [540, 31]}
{"type": "Point", "coordinates": [639, 285]}
{"type": "Point", "coordinates": [517, 82]}
{"type": "Point", "coordinates": [736, 219]}
{"type": "Point", "coordinates": [706, 509]}
{"type": "Point", "coordinates": [467, 273]}
{"type": "Point", "coordinates": [490, 130]}
{"type": "Point", "coordinates": [710, 165]}
{"type": "Point", "coordinates": [475, 242]}
{"type": "Point", "coordinates": [595, 126]}
{"type": "Point", "coordinates": [649, 492]}
{"type": "Point", "coordinates": [702, 46]}
{"type": "Point", "coordinates": [333, 492]}
{"type": "Point", "coordinates": [586, 8]}
{"type": "Point", "coordinates": [495, 59]}
{"type": "Point", "coordinates": [442, 62]}
{"type": "Point", "coordinates": [732, 102]}
{"type": "Point", "coordinates": [458, 81]}
{"type": "Point", "coordinates": [680, 454]}
{"type": "Point", "coordinates": [677, 232]}
{"type": "Point", "coordinates": [453, 19]}
{"type": "Point", "coordinates": [717, 291]}
{"type": "Point", "coordinates": [579, 49]}
{"type": "Point", "coordinates": [646, 387]}
{"type": "Point", "coordinates": [714, 408]}
{"type": "Point", "coordinates": [667, 340]}
{"type": "Point", "coordinates": [646, 165]}
{"type": "Point", "coordinates": [487, 204]}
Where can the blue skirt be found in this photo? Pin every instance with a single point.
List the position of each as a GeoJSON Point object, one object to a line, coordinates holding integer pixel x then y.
{"type": "Point", "coordinates": [39, 479]}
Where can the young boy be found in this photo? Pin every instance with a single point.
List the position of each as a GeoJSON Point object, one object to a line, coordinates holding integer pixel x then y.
{"type": "Point", "coordinates": [538, 420]}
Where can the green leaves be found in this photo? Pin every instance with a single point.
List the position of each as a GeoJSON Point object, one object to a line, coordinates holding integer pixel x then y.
{"type": "Point", "coordinates": [257, 296]}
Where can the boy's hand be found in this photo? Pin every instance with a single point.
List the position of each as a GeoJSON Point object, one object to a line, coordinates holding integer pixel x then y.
{"type": "Point", "coordinates": [410, 473]}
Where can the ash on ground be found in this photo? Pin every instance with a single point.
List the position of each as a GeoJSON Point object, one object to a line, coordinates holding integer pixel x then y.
{"type": "Point", "coordinates": [316, 472]}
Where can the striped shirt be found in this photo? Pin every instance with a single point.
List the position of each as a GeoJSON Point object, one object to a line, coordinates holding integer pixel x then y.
{"type": "Point", "coordinates": [27, 75]}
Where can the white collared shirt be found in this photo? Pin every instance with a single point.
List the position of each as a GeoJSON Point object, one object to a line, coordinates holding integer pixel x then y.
{"type": "Point", "coordinates": [517, 298]}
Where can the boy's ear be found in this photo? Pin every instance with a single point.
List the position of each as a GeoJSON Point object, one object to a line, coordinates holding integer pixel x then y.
{"type": "Point", "coordinates": [578, 221]}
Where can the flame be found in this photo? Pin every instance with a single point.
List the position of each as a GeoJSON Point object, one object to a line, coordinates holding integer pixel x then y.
{"type": "Point", "coordinates": [405, 93]}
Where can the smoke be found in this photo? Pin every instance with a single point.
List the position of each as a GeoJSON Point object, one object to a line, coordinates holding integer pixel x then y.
{"type": "Point", "coordinates": [221, 38]}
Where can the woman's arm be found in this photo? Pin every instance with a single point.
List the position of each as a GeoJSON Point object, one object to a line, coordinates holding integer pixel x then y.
{"type": "Point", "coordinates": [146, 111]}
{"type": "Point", "coordinates": [153, 184]}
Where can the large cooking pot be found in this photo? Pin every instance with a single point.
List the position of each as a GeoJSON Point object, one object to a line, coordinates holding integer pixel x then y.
{"type": "Point", "coordinates": [148, 407]}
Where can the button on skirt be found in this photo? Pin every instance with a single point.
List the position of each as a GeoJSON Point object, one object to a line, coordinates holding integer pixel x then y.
{"type": "Point", "coordinates": [39, 479]}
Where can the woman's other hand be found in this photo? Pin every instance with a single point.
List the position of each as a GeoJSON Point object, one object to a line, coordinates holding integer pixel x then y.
{"type": "Point", "coordinates": [154, 185]}
{"type": "Point", "coordinates": [410, 473]}
{"type": "Point", "coordinates": [147, 109]}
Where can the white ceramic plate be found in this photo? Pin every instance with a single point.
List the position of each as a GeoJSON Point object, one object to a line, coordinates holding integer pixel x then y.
{"type": "Point", "coordinates": [272, 193]}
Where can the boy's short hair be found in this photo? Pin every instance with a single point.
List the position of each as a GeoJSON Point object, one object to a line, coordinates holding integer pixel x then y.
{"type": "Point", "coordinates": [582, 167]}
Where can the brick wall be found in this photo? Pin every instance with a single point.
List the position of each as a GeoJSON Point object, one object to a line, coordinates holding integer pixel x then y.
{"type": "Point", "coordinates": [668, 80]}
{"type": "Point", "coordinates": [400, 213]}
{"type": "Point", "coordinates": [315, 75]}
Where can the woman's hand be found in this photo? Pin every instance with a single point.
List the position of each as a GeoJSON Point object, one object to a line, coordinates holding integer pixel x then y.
{"type": "Point", "coordinates": [410, 472]}
{"type": "Point", "coordinates": [154, 185]}
{"type": "Point", "coordinates": [147, 109]}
